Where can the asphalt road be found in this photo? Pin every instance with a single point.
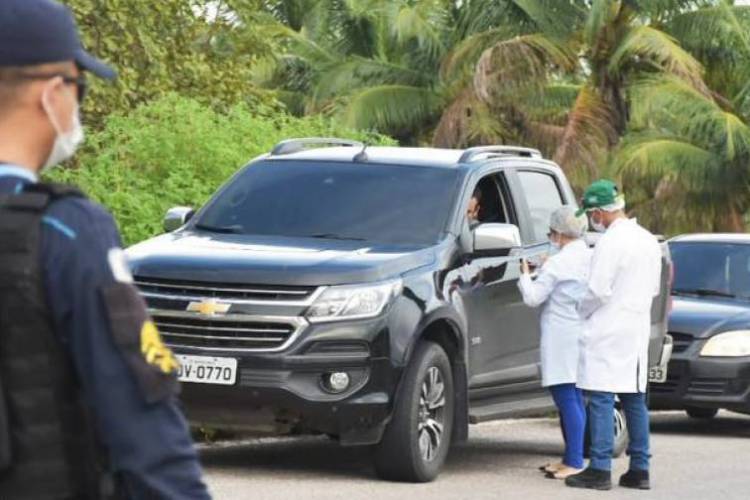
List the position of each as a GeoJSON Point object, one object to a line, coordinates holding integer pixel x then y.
{"type": "Point", "coordinates": [693, 460]}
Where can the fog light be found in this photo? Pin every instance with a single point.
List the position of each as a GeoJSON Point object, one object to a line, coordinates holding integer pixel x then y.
{"type": "Point", "coordinates": [337, 381]}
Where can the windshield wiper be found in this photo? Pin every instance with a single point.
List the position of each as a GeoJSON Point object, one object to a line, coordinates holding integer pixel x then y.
{"type": "Point", "coordinates": [333, 236]}
{"type": "Point", "coordinates": [236, 229]}
{"type": "Point", "coordinates": [704, 292]}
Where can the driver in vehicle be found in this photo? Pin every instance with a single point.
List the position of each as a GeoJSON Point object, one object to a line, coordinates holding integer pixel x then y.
{"type": "Point", "coordinates": [475, 205]}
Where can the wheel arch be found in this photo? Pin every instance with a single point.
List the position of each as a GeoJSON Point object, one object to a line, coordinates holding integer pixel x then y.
{"type": "Point", "coordinates": [444, 331]}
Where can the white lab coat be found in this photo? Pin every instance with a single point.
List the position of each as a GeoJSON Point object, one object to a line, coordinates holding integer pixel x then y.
{"type": "Point", "coordinates": [559, 286]}
{"type": "Point", "coordinates": [625, 277]}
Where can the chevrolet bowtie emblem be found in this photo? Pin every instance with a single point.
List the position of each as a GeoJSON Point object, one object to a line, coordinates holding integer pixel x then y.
{"type": "Point", "coordinates": [208, 307]}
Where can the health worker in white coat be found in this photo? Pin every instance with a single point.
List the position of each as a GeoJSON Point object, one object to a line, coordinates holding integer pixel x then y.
{"type": "Point", "coordinates": [559, 285]}
{"type": "Point", "coordinates": [625, 277]}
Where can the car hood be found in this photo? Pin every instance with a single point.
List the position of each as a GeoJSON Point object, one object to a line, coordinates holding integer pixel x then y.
{"type": "Point", "coordinates": [703, 317]}
{"type": "Point", "coordinates": [241, 259]}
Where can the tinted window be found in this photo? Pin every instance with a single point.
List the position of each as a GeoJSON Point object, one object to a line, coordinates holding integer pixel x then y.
{"type": "Point", "coordinates": [377, 203]}
{"type": "Point", "coordinates": [543, 198]}
{"type": "Point", "coordinates": [711, 267]}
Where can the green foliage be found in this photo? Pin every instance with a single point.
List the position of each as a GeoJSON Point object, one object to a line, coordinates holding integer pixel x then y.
{"type": "Point", "coordinates": [687, 156]}
{"type": "Point", "coordinates": [167, 46]}
{"type": "Point", "coordinates": [177, 151]}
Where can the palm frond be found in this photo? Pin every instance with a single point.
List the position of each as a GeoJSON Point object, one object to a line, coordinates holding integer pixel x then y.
{"type": "Point", "coordinates": [544, 136]}
{"type": "Point", "coordinates": [553, 17]}
{"type": "Point", "coordinates": [600, 13]}
{"type": "Point", "coordinates": [424, 21]}
{"type": "Point", "coordinates": [651, 158]}
{"type": "Point", "coordinates": [520, 62]}
{"type": "Point", "coordinates": [465, 54]}
{"type": "Point", "coordinates": [302, 45]}
{"type": "Point", "coordinates": [709, 29]}
{"type": "Point", "coordinates": [391, 108]}
{"type": "Point", "coordinates": [551, 103]}
{"type": "Point", "coordinates": [352, 73]}
{"type": "Point", "coordinates": [672, 105]}
{"type": "Point", "coordinates": [467, 121]}
{"type": "Point", "coordinates": [589, 133]}
{"type": "Point", "coordinates": [647, 44]}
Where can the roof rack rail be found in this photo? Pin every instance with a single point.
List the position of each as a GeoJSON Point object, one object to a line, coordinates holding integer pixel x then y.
{"type": "Point", "coordinates": [296, 145]}
{"type": "Point", "coordinates": [471, 153]}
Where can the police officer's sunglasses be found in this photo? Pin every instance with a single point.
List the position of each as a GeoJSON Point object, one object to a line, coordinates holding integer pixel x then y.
{"type": "Point", "coordinates": [82, 85]}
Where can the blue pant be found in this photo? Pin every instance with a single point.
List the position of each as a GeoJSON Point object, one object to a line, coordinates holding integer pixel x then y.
{"type": "Point", "coordinates": [601, 425]}
{"type": "Point", "coordinates": [569, 401]}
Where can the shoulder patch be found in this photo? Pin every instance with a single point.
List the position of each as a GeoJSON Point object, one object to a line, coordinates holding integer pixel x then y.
{"type": "Point", "coordinates": [155, 352]}
{"type": "Point", "coordinates": [118, 264]}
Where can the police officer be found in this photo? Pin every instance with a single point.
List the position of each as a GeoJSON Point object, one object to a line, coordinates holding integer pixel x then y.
{"type": "Point", "coordinates": [87, 389]}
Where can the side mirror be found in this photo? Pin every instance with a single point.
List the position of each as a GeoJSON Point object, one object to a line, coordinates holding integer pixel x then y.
{"type": "Point", "coordinates": [493, 237]}
{"type": "Point", "coordinates": [177, 217]}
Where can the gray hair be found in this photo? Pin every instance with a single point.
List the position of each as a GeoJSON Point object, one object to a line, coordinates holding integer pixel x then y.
{"type": "Point", "coordinates": [564, 221]}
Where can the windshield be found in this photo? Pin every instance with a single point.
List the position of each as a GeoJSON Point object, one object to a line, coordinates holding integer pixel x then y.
{"type": "Point", "coordinates": [712, 269]}
{"type": "Point", "coordinates": [349, 201]}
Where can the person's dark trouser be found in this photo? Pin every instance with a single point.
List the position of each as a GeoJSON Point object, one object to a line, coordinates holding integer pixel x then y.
{"type": "Point", "coordinates": [569, 401]}
{"type": "Point", "coordinates": [601, 427]}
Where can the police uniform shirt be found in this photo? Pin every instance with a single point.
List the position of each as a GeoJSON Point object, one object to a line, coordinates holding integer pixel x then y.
{"type": "Point", "coordinates": [148, 444]}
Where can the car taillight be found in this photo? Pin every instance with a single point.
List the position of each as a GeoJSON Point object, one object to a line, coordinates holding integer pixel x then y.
{"type": "Point", "coordinates": [670, 282]}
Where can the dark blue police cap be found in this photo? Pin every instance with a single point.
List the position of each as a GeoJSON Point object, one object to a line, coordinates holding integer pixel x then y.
{"type": "Point", "coordinates": [36, 32]}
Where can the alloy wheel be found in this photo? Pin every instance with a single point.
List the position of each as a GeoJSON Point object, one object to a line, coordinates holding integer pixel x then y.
{"type": "Point", "coordinates": [430, 423]}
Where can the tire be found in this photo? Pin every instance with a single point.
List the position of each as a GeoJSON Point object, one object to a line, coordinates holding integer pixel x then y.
{"type": "Point", "coordinates": [621, 436]}
{"type": "Point", "coordinates": [701, 413]}
{"type": "Point", "coordinates": [416, 442]}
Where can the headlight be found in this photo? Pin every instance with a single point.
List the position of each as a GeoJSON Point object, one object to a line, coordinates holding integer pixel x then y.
{"type": "Point", "coordinates": [339, 303]}
{"type": "Point", "coordinates": [729, 344]}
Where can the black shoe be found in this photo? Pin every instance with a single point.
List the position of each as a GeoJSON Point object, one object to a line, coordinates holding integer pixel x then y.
{"type": "Point", "coordinates": [592, 479]}
{"type": "Point", "coordinates": [636, 479]}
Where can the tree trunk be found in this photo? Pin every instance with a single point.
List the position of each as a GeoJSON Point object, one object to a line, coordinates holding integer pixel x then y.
{"type": "Point", "coordinates": [732, 222]}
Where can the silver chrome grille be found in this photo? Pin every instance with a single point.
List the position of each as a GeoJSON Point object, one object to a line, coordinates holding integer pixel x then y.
{"type": "Point", "coordinates": [191, 290]}
{"type": "Point", "coordinates": [234, 332]}
{"type": "Point", "coordinates": [176, 307]}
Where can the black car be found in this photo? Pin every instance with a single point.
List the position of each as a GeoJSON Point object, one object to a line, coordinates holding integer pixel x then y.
{"type": "Point", "coordinates": [343, 290]}
{"type": "Point", "coordinates": [710, 326]}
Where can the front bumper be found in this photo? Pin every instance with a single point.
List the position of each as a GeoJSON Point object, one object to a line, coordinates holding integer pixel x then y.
{"type": "Point", "coordinates": [693, 381]}
{"type": "Point", "coordinates": [281, 393]}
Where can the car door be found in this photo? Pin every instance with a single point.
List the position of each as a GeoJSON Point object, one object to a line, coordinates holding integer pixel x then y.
{"type": "Point", "coordinates": [491, 300]}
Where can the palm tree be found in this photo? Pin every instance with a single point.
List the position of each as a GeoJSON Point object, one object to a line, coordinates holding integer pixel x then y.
{"type": "Point", "coordinates": [688, 151]}
{"type": "Point", "coordinates": [619, 43]}
{"type": "Point", "coordinates": [406, 67]}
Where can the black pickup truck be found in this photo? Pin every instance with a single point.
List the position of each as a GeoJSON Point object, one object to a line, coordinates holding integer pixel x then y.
{"type": "Point", "coordinates": [335, 288]}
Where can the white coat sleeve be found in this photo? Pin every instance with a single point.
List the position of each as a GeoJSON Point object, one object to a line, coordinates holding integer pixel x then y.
{"type": "Point", "coordinates": [536, 292]}
{"type": "Point", "coordinates": [604, 266]}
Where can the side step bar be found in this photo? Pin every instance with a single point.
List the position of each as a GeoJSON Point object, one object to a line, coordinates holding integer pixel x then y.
{"type": "Point", "coordinates": [526, 407]}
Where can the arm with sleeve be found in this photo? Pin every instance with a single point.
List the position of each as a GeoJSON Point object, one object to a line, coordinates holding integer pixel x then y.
{"type": "Point", "coordinates": [604, 266]}
{"type": "Point", "coordinates": [536, 292]}
{"type": "Point", "coordinates": [149, 444]}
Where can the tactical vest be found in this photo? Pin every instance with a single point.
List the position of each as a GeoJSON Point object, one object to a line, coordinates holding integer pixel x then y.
{"type": "Point", "coordinates": [47, 444]}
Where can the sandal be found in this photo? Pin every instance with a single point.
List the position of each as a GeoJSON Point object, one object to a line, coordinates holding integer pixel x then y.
{"type": "Point", "coordinates": [564, 472]}
{"type": "Point", "coordinates": [552, 468]}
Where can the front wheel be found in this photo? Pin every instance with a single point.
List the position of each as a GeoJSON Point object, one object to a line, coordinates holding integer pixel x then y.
{"type": "Point", "coordinates": [701, 413]}
{"type": "Point", "coordinates": [416, 442]}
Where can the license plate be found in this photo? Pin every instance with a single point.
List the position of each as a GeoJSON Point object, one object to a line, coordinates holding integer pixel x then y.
{"type": "Point", "coordinates": [657, 374]}
{"type": "Point", "coordinates": [207, 370]}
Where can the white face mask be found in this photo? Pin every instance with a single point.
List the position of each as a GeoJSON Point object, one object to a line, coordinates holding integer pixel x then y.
{"type": "Point", "coordinates": [66, 143]}
{"type": "Point", "coordinates": [598, 226]}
